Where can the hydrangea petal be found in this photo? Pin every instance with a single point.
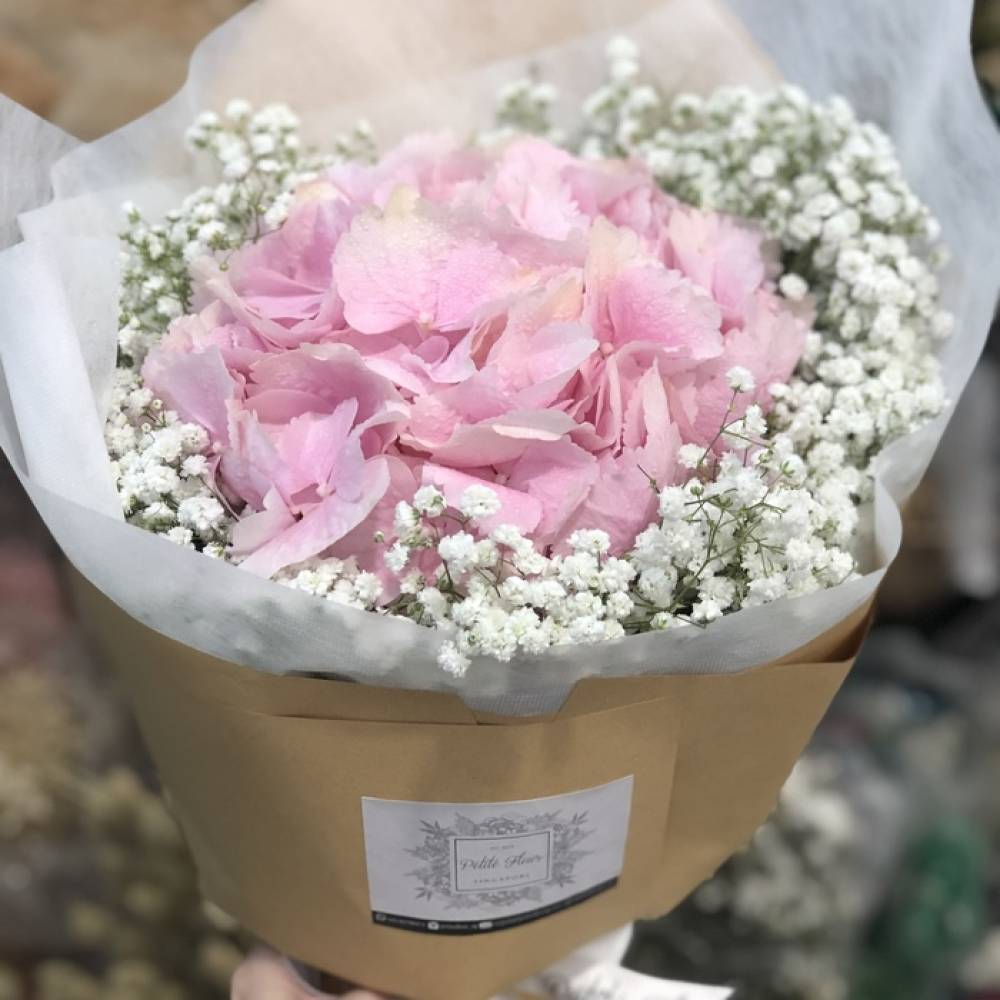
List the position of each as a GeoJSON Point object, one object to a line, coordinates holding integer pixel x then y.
{"type": "Point", "coordinates": [328, 372]}
{"type": "Point", "coordinates": [407, 264]}
{"type": "Point", "coordinates": [197, 385]}
{"type": "Point", "coordinates": [621, 502]}
{"type": "Point", "coordinates": [501, 439]}
{"type": "Point", "coordinates": [281, 286]}
{"type": "Point", "coordinates": [528, 182]}
{"type": "Point", "coordinates": [250, 466]}
{"type": "Point", "coordinates": [721, 255]}
{"type": "Point", "coordinates": [324, 525]}
{"type": "Point", "coordinates": [664, 308]}
{"type": "Point", "coordinates": [255, 530]}
{"type": "Point", "coordinates": [310, 446]}
{"type": "Point", "coordinates": [366, 544]}
{"type": "Point", "coordinates": [517, 508]}
{"type": "Point", "coordinates": [559, 475]}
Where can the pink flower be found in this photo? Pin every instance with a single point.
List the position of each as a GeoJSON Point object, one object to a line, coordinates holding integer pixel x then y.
{"type": "Point", "coordinates": [413, 262]}
{"type": "Point", "coordinates": [552, 327]}
{"type": "Point", "coordinates": [281, 287]}
{"type": "Point", "coordinates": [433, 164]}
{"type": "Point", "coordinates": [768, 343]}
{"type": "Point", "coordinates": [300, 441]}
{"type": "Point", "coordinates": [721, 255]}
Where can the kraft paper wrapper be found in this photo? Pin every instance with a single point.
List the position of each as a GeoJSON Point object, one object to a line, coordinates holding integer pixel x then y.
{"type": "Point", "coordinates": [266, 775]}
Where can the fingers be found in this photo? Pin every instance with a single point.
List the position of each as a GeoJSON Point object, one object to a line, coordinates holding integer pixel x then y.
{"type": "Point", "coordinates": [266, 976]}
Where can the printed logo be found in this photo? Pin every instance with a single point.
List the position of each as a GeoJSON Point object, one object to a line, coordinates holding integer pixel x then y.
{"type": "Point", "coordinates": [475, 868]}
{"type": "Point", "coordinates": [498, 861]}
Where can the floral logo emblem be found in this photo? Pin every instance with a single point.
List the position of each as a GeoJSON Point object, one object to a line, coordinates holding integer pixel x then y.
{"type": "Point", "coordinates": [436, 874]}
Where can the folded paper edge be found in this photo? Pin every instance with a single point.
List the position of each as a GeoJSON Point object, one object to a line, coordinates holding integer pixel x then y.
{"type": "Point", "coordinates": [212, 679]}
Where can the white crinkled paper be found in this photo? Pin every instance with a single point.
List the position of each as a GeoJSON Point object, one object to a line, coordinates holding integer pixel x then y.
{"type": "Point", "coordinates": [410, 67]}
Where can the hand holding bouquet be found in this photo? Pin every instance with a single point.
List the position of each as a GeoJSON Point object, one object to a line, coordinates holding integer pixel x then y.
{"type": "Point", "coordinates": [576, 437]}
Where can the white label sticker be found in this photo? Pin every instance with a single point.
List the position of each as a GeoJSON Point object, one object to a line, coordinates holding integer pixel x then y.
{"type": "Point", "coordinates": [469, 868]}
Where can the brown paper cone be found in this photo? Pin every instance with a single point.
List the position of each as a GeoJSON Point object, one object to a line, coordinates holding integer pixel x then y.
{"type": "Point", "coordinates": [267, 775]}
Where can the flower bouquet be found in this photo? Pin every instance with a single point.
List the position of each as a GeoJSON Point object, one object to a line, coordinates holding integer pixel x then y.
{"type": "Point", "coordinates": [482, 516]}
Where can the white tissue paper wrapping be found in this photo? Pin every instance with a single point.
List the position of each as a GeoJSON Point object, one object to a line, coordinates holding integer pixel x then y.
{"type": "Point", "coordinates": [410, 67]}
{"type": "Point", "coordinates": [594, 972]}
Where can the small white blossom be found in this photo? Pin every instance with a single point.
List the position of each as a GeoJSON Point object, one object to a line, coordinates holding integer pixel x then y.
{"type": "Point", "coordinates": [511, 537]}
{"type": "Point", "coordinates": [690, 455]}
{"type": "Point", "coordinates": [673, 500]}
{"type": "Point", "coordinates": [793, 287]}
{"type": "Point", "coordinates": [478, 502]}
{"type": "Point", "coordinates": [397, 557]}
{"type": "Point", "coordinates": [181, 536]}
{"type": "Point", "coordinates": [200, 513]}
{"type": "Point", "coordinates": [238, 110]}
{"type": "Point", "coordinates": [595, 542]}
{"type": "Point", "coordinates": [194, 465]}
{"type": "Point", "coordinates": [434, 603]}
{"type": "Point", "coordinates": [367, 588]}
{"type": "Point", "coordinates": [429, 500]}
{"type": "Point", "coordinates": [763, 164]}
{"type": "Point", "coordinates": [740, 379]}
{"type": "Point", "coordinates": [458, 551]}
{"type": "Point", "coordinates": [706, 610]}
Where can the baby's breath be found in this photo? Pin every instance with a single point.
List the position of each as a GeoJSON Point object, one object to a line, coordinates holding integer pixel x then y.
{"type": "Point", "coordinates": [853, 237]}
{"type": "Point", "coordinates": [741, 531]}
{"type": "Point", "coordinates": [768, 509]}
{"type": "Point", "coordinates": [261, 160]}
{"type": "Point", "coordinates": [161, 470]}
{"type": "Point", "coordinates": [523, 106]}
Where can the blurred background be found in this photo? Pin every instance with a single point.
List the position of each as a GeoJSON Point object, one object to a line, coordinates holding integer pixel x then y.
{"type": "Point", "coordinates": [877, 879]}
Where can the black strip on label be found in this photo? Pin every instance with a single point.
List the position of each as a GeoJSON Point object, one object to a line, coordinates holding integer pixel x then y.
{"type": "Point", "coordinates": [487, 926]}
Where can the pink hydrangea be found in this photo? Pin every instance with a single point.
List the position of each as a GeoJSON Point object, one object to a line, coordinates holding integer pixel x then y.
{"type": "Point", "coordinates": [552, 327]}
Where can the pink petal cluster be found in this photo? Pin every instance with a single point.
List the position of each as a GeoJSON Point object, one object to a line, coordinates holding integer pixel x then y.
{"type": "Point", "coordinates": [552, 327]}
